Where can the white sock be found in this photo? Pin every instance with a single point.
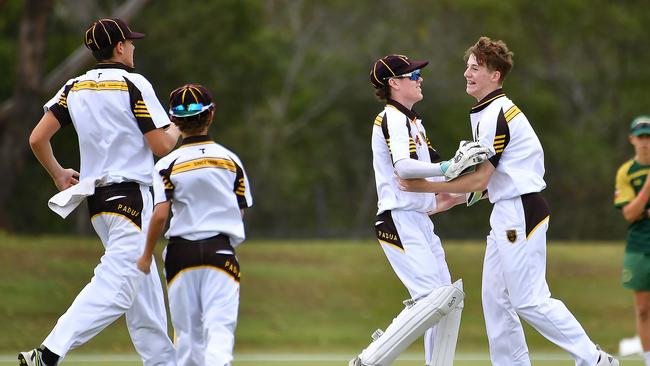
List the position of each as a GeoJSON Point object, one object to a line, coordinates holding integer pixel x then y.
{"type": "Point", "coordinates": [646, 357]}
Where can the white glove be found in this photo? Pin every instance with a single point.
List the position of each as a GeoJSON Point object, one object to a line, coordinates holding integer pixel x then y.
{"type": "Point", "coordinates": [469, 154]}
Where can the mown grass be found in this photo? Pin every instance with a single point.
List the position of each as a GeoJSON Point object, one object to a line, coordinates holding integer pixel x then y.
{"type": "Point", "coordinates": [305, 297]}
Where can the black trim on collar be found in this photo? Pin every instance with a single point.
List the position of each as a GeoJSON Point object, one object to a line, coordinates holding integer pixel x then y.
{"type": "Point", "coordinates": [411, 114]}
{"type": "Point", "coordinates": [196, 139]}
{"type": "Point", "coordinates": [483, 103]}
{"type": "Point", "coordinates": [113, 65]}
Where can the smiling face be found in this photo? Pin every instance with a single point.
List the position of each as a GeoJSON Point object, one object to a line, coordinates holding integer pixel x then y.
{"type": "Point", "coordinates": [406, 91]}
{"type": "Point", "coordinates": [481, 81]}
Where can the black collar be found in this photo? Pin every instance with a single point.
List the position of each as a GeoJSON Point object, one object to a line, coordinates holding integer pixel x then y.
{"type": "Point", "coordinates": [483, 103]}
{"type": "Point", "coordinates": [411, 114]}
{"type": "Point", "coordinates": [196, 139]}
{"type": "Point", "coordinates": [113, 65]}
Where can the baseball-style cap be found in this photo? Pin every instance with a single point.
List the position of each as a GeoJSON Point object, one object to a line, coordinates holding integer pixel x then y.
{"type": "Point", "coordinates": [391, 66]}
{"type": "Point", "coordinates": [189, 100]}
{"type": "Point", "coordinates": [640, 126]}
{"type": "Point", "coordinates": [107, 32]}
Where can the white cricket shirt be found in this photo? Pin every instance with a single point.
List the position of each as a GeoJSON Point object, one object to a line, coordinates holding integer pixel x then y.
{"type": "Point", "coordinates": [207, 186]}
{"type": "Point", "coordinates": [515, 150]}
{"type": "Point", "coordinates": [398, 134]}
{"type": "Point", "coordinates": [111, 109]}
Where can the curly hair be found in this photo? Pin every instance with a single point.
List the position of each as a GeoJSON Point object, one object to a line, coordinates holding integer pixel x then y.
{"type": "Point", "coordinates": [495, 55]}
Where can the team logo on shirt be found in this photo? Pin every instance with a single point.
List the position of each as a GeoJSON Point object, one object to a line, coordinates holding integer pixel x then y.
{"type": "Point", "coordinates": [511, 235]}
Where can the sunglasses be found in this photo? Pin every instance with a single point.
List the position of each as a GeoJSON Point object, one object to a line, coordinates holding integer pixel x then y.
{"type": "Point", "coordinates": [413, 75]}
{"type": "Point", "coordinates": [189, 110]}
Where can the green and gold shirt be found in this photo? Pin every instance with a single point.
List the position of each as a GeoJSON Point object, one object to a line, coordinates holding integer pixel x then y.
{"type": "Point", "coordinates": [629, 179]}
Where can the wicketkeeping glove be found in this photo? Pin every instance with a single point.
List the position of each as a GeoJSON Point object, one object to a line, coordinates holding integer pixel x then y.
{"type": "Point", "coordinates": [473, 197]}
{"type": "Point", "coordinates": [469, 154]}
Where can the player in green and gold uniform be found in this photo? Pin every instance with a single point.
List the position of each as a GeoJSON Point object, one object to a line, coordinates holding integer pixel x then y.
{"type": "Point", "coordinates": [632, 194]}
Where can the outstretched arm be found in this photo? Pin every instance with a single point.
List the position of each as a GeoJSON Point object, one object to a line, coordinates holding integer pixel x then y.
{"type": "Point", "coordinates": [156, 227]}
{"type": "Point", "coordinates": [41, 146]}
{"type": "Point", "coordinates": [472, 182]}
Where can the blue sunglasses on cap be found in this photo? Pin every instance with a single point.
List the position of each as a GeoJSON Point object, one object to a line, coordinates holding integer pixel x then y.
{"type": "Point", "coordinates": [413, 75]}
{"type": "Point", "coordinates": [189, 110]}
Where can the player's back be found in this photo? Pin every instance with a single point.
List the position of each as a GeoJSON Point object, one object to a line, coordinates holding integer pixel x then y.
{"type": "Point", "coordinates": [207, 187]}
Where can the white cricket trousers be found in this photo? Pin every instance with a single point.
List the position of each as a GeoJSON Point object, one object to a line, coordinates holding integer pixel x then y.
{"type": "Point", "coordinates": [118, 287]}
{"type": "Point", "coordinates": [416, 255]}
{"type": "Point", "coordinates": [203, 291]}
{"type": "Point", "coordinates": [514, 286]}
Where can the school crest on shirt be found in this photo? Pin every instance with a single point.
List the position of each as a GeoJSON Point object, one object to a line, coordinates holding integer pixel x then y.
{"type": "Point", "coordinates": [511, 235]}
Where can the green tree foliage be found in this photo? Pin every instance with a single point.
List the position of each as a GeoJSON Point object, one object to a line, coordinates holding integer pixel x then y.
{"type": "Point", "coordinates": [293, 97]}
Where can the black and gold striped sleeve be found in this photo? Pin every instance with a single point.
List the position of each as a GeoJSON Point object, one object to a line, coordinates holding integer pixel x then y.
{"type": "Point", "coordinates": [413, 154]}
{"type": "Point", "coordinates": [139, 108]}
{"type": "Point", "coordinates": [166, 175]}
{"type": "Point", "coordinates": [501, 138]}
{"type": "Point", "coordinates": [240, 187]}
{"type": "Point", "coordinates": [433, 154]}
{"type": "Point", "coordinates": [60, 108]}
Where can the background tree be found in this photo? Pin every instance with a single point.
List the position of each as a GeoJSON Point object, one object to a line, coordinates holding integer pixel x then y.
{"type": "Point", "coordinates": [293, 98]}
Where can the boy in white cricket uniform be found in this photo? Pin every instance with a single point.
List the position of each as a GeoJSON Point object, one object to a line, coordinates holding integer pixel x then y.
{"type": "Point", "coordinates": [514, 283]}
{"type": "Point", "coordinates": [400, 145]}
{"type": "Point", "coordinates": [119, 121]}
{"type": "Point", "coordinates": [207, 190]}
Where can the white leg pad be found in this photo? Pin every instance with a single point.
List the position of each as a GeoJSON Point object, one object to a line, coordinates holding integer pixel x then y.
{"type": "Point", "coordinates": [410, 324]}
{"type": "Point", "coordinates": [444, 342]}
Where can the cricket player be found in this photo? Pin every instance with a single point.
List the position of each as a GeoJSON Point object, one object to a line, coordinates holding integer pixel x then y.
{"type": "Point", "coordinates": [514, 284]}
{"type": "Point", "coordinates": [207, 190]}
{"type": "Point", "coordinates": [631, 197]}
{"type": "Point", "coordinates": [400, 146]}
{"type": "Point", "coordinates": [119, 122]}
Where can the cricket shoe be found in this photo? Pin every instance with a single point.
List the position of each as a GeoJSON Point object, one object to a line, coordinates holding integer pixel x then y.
{"type": "Point", "coordinates": [605, 359]}
{"type": "Point", "coordinates": [31, 358]}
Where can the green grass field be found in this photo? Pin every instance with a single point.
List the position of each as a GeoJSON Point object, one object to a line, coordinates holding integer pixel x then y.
{"type": "Point", "coordinates": [310, 297]}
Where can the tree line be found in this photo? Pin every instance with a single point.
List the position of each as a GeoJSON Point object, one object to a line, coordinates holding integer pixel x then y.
{"type": "Point", "coordinates": [290, 79]}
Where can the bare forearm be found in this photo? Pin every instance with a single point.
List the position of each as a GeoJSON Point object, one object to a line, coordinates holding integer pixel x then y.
{"type": "Point", "coordinates": [156, 227]}
{"type": "Point", "coordinates": [45, 155]}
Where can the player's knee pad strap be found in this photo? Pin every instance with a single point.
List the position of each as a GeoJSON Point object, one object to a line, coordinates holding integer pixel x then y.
{"type": "Point", "coordinates": [411, 323]}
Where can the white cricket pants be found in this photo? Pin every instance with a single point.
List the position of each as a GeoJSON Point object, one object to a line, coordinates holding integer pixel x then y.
{"type": "Point", "coordinates": [119, 288]}
{"type": "Point", "coordinates": [204, 303]}
{"type": "Point", "coordinates": [420, 264]}
{"type": "Point", "coordinates": [514, 286]}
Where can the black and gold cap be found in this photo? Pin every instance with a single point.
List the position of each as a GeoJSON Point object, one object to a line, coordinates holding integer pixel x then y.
{"type": "Point", "coordinates": [107, 32]}
{"type": "Point", "coordinates": [391, 66]}
{"type": "Point", "coordinates": [189, 100]}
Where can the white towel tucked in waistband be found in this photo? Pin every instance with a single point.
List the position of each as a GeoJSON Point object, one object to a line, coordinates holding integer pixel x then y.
{"type": "Point", "coordinates": [64, 202]}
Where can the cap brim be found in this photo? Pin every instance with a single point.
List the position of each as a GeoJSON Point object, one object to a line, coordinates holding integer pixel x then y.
{"type": "Point", "coordinates": [415, 65]}
{"type": "Point", "coordinates": [135, 35]}
{"type": "Point", "coordinates": [641, 131]}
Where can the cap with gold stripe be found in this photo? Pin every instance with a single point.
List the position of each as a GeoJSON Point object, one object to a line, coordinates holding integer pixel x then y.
{"type": "Point", "coordinates": [391, 66]}
{"type": "Point", "coordinates": [189, 100]}
{"type": "Point", "coordinates": [105, 33]}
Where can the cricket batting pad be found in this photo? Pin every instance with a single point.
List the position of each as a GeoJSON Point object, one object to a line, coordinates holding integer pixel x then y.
{"type": "Point", "coordinates": [411, 323]}
{"type": "Point", "coordinates": [444, 342]}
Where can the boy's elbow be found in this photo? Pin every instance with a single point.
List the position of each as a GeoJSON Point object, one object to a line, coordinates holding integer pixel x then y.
{"type": "Point", "coordinates": [34, 140]}
{"type": "Point", "coordinates": [162, 148]}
